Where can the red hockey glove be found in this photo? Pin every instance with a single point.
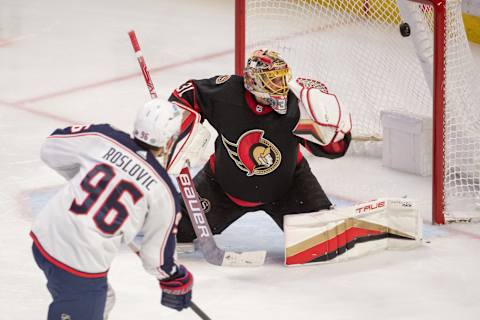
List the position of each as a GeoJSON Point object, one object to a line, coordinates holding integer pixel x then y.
{"type": "Point", "coordinates": [177, 289]}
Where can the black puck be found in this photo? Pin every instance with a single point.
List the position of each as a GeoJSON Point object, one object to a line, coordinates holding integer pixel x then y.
{"type": "Point", "coordinates": [405, 29]}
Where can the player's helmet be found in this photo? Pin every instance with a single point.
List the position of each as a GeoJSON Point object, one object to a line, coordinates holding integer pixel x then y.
{"type": "Point", "coordinates": [158, 124]}
{"type": "Point", "coordinates": [266, 76]}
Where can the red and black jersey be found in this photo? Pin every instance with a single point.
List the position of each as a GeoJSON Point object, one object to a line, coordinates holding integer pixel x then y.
{"type": "Point", "coordinates": [256, 152]}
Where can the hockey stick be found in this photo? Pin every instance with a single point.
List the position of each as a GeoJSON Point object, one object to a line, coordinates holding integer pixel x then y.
{"type": "Point", "coordinates": [199, 311]}
{"type": "Point", "coordinates": [135, 249]}
{"type": "Point", "coordinates": [205, 241]}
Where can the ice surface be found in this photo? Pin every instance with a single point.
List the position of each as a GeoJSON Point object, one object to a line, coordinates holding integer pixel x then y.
{"type": "Point", "coordinates": [64, 62]}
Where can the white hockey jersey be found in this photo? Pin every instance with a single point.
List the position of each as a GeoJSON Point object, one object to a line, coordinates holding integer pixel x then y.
{"type": "Point", "coordinates": [115, 190]}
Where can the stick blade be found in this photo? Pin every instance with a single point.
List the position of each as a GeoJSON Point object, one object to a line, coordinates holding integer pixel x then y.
{"type": "Point", "coordinates": [246, 258]}
{"type": "Point", "coordinates": [210, 251]}
{"type": "Point", "coordinates": [220, 257]}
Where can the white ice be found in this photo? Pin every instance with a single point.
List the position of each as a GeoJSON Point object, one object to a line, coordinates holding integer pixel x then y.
{"type": "Point", "coordinates": [65, 62]}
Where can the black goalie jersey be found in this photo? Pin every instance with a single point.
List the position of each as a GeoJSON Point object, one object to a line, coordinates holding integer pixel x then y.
{"type": "Point", "coordinates": [256, 152]}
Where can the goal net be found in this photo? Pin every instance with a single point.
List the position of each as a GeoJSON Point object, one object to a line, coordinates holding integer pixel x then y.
{"type": "Point", "coordinates": [357, 49]}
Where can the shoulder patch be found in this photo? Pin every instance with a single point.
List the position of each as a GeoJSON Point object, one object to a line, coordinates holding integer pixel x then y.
{"type": "Point", "coordinates": [222, 79]}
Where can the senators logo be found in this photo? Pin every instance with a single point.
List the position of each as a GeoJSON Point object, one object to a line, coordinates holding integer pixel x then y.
{"type": "Point", "coordinates": [222, 79]}
{"type": "Point", "coordinates": [206, 205]}
{"type": "Point", "coordinates": [253, 154]}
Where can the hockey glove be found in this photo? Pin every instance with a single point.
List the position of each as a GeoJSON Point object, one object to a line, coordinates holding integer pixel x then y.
{"type": "Point", "coordinates": [177, 289]}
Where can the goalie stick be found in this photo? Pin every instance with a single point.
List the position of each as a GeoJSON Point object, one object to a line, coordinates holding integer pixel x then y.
{"type": "Point", "coordinates": [205, 241]}
{"type": "Point", "coordinates": [143, 65]}
{"type": "Point", "coordinates": [135, 249]}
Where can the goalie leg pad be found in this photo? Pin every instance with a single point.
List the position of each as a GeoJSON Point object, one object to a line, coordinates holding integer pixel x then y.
{"type": "Point", "coordinates": [341, 234]}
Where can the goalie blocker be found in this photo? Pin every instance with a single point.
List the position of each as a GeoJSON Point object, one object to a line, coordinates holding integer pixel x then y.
{"type": "Point", "coordinates": [344, 233]}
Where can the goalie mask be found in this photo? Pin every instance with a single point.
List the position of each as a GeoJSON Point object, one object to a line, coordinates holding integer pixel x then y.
{"type": "Point", "coordinates": [266, 76]}
{"type": "Point", "coordinates": [175, 130]}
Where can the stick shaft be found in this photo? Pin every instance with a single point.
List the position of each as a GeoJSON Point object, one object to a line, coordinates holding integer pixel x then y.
{"type": "Point", "coordinates": [193, 204]}
{"type": "Point", "coordinates": [143, 65]}
{"type": "Point", "coordinates": [199, 311]}
{"type": "Point", "coordinates": [207, 245]}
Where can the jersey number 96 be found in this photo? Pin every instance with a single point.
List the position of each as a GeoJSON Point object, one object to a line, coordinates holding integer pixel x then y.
{"type": "Point", "coordinates": [94, 184]}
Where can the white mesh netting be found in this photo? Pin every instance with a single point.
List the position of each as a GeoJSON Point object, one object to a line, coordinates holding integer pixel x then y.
{"type": "Point", "coordinates": [462, 120]}
{"type": "Point", "coordinates": [355, 47]}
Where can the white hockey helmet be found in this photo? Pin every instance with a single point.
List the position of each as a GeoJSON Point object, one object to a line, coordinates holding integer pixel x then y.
{"type": "Point", "coordinates": [175, 129]}
{"type": "Point", "coordinates": [266, 76]}
{"type": "Point", "coordinates": [158, 124]}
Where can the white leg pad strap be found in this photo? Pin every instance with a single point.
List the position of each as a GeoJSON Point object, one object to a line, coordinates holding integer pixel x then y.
{"type": "Point", "coordinates": [340, 234]}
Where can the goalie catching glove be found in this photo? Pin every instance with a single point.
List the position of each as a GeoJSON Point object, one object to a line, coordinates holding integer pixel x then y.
{"type": "Point", "coordinates": [322, 120]}
{"type": "Point", "coordinates": [177, 289]}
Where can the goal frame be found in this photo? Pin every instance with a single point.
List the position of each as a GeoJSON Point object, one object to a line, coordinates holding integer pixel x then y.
{"type": "Point", "coordinates": [439, 43]}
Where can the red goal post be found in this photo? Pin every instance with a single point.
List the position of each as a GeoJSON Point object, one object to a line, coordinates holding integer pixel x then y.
{"type": "Point", "coordinates": [433, 63]}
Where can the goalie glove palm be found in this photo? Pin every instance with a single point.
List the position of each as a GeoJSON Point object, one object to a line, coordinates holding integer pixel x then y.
{"type": "Point", "coordinates": [177, 289]}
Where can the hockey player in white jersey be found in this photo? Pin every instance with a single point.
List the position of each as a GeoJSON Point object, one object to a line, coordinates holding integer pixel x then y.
{"type": "Point", "coordinates": [116, 188]}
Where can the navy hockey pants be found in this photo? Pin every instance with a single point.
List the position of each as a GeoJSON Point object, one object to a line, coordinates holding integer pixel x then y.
{"type": "Point", "coordinates": [74, 298]}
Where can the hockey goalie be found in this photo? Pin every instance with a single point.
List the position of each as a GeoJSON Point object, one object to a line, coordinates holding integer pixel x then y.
{"type": "Point", "coordinates": [261, 120]}
{"type": "Point", "coordinates": [340, 234]}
